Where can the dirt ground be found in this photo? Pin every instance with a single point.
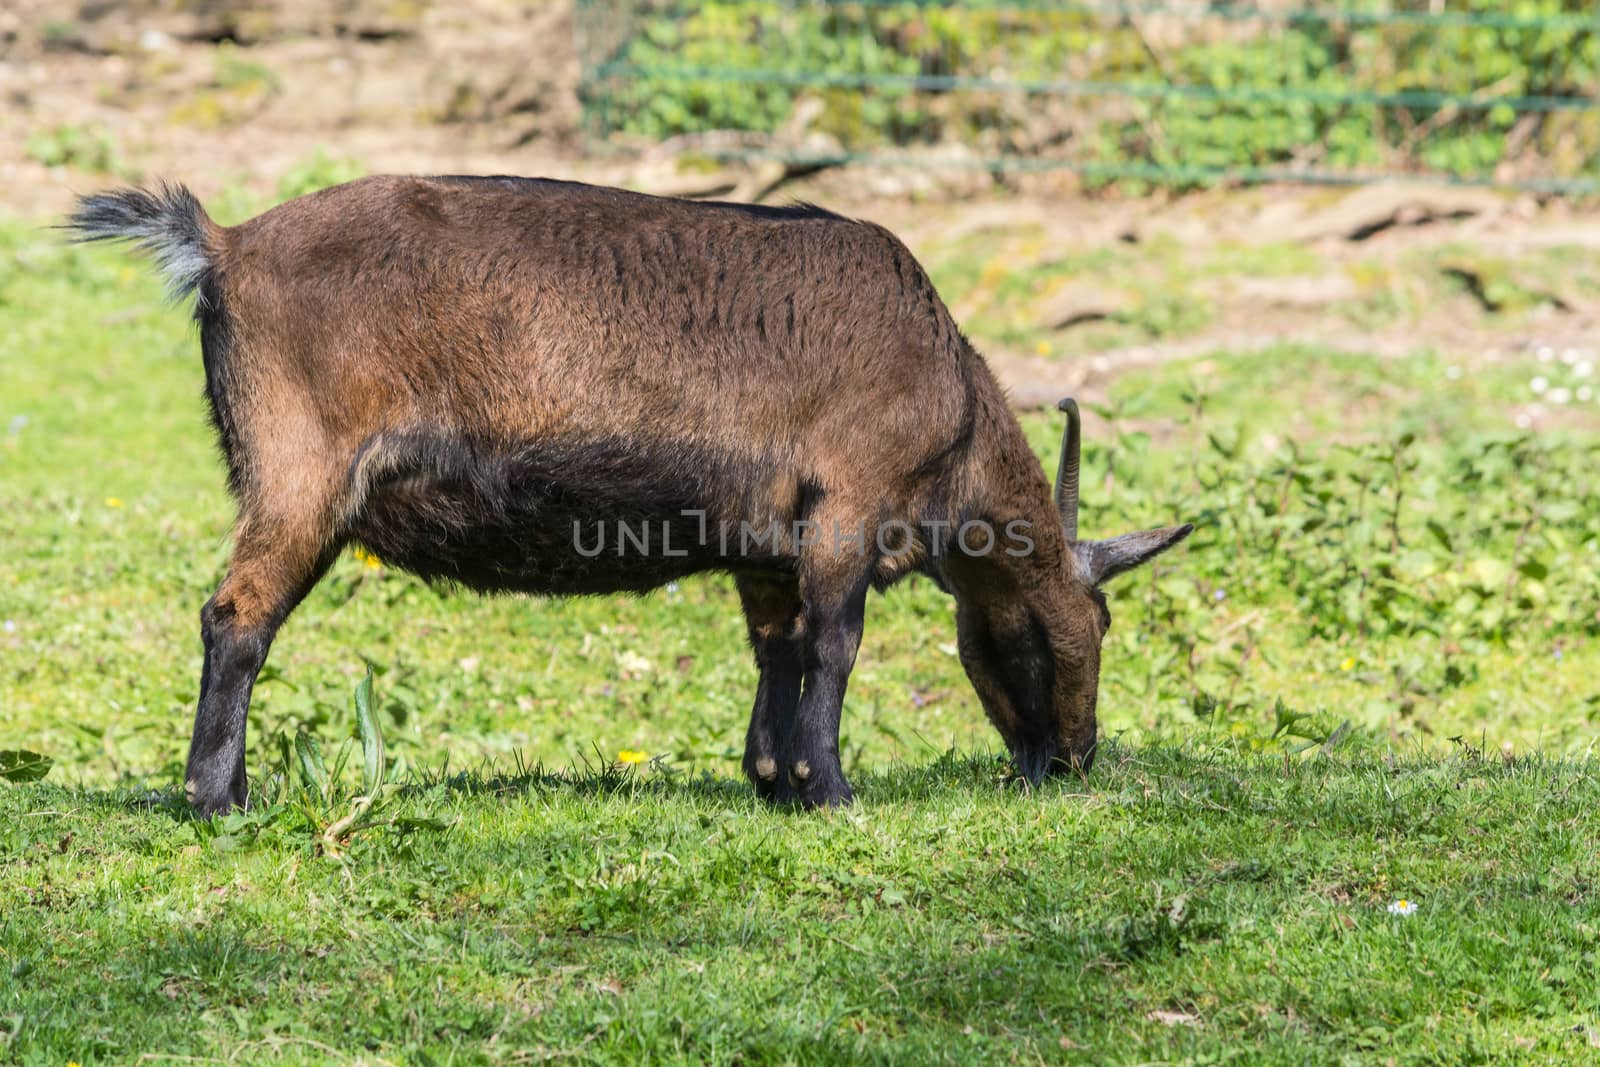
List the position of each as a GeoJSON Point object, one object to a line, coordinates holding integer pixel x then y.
{"type": "Point", "coordinates": [228, 95]}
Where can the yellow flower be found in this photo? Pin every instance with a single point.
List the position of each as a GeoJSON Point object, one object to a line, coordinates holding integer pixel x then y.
{"type": "Point", "coordinates": [628, 755]}
{"type": "Point", "coordinates": [372, 562]}
{"type": "Point", "coordinates": [113, 502]}
{"type": "Point", "coordinates": [993, 272]}
{"type": "Point", "coordinates": [1043, 348]}
{"type": "Point", "coordinates": [1349, 664]}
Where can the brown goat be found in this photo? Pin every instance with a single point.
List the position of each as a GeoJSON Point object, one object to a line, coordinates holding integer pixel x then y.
{"type": "Point", "coordinates": [478, 378]}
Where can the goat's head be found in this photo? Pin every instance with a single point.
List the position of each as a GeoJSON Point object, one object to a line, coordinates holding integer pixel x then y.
{"type": "Point", "coordinates": [1030, 636]}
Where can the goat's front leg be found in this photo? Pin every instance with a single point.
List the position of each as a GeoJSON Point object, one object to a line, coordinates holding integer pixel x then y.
{"type": "Point", "coordinates": [773, 611]}
{"type": "Point", "coordinates": [835, 611]}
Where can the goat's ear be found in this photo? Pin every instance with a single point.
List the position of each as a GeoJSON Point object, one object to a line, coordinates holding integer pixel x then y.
{"type": "Point", "coordinates": [1100, 561]}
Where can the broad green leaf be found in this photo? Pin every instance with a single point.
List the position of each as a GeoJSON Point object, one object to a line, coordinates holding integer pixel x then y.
{"type": "Point", "coordinates": [371, 737]}
{"type": "Point", "coordinates": [1440, 534]}
{"type": "Point", "coordinates": [1285, 718]}
{"type": "Point", "coordinates": [313, 772]}
{"type": "Point", "coordinates": [24, 766]}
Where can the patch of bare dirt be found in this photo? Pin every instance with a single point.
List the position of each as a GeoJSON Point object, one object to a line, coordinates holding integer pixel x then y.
{"type": "Point", "coordinates": [222, 94]}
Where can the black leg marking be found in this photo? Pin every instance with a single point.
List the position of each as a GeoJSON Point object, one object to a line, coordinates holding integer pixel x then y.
{"type": "Point", "coordinates": [773, 612]}
{"type": "Point", "coordinates": [810, 767]}
{"type": "Point", "coordinates": [235, 650]}
{"type": "Point", "coordinates": [215, 779]}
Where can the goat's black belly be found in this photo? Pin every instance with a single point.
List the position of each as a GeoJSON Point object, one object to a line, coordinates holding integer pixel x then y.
{"type": "Point", "coordinates": [554, 520]}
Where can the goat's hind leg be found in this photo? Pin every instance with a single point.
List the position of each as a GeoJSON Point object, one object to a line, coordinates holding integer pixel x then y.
{"type": "Point", "coordinates": [773, 610]}
{"type": "Point", "coordinates": [279, 554]}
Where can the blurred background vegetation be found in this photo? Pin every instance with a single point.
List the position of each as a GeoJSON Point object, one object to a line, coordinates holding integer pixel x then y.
{"type": "Point", "coordinates": [1131, 94]}
{"type": "Point", "coordinates": [1177, 92]}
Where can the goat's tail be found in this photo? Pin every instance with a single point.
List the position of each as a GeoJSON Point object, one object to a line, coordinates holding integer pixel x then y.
{"type": "Point", "coordinates": [167, 222]}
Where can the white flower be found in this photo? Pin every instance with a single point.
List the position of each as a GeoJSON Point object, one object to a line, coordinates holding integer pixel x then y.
{"type": "Point", "coordinates": [1561, 395]}
{"type": "Point", "coordinates": [1452, 373]}
{"type": "Point", "coordinates": [1569, 356]}
{"type": "Point", "coordinates": [1585, 393]}
{"type": "Point", "coordinates": [1583, 370]}
{"type": "Point", "coordinates": [1402, 907]}
{"type": "Point", "coordinates": [1539, 385]}
{"type": "Point", "coordinates": [633, 663]}
{"type": "Point", "coordinates": [1546, 353]}
{"type": "Point", "coordinates": [9, 627]}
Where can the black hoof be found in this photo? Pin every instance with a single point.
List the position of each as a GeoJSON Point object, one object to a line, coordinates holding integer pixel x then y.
{"type": "Point", "coordinates": [812, 786]}
{"type": "Point", "coordinates": [763, 774]}
{"type": "Point", "coordinates": [220, 799]}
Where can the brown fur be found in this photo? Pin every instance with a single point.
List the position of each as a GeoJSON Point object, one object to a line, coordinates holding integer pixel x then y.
{"type": "Point", "coordinates": [448, 369]}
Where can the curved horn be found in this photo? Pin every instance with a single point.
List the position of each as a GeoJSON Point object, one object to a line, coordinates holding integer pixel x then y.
{"type": "Point", "coordinates": [1067, 473]}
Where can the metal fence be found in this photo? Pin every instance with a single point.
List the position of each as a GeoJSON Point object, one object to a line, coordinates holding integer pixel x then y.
{"type": "Point", "coordinates": [1180, 92]}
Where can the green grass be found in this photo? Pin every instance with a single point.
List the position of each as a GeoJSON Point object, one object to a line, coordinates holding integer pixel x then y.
{"type": "Point", "coordinates": [1185, 904]}
{"type": "Point", "coordinates": [1392, 697]}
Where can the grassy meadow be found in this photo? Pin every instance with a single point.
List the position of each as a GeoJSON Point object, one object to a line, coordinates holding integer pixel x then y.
{"type": "Point", "coordinates": [1346, 811]}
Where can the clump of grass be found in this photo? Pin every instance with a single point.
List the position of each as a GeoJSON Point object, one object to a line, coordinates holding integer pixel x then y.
{"type": "Point", "coordinates": [304, 795]}
{"type": "Point", "coordinates": [84, 147]}
{"type": "Point", "coordinates": [318, 171]}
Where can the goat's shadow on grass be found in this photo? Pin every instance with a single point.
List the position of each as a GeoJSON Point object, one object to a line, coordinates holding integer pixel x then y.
{"type": "Point", "coordinates": [53, 798]}
{"type": "Point", "coordinates": [974, 773]}
{"type": "Point", "coordinates": [703, 787]}
{"type": "Point", "coordinates": [1182, 775]}
{"type": "Point", "coordinates": [663, 782]}
{"type": "Point", "coordinates": [1171, 781]}
{"type": "Point", "coordinates": [978, 774]}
